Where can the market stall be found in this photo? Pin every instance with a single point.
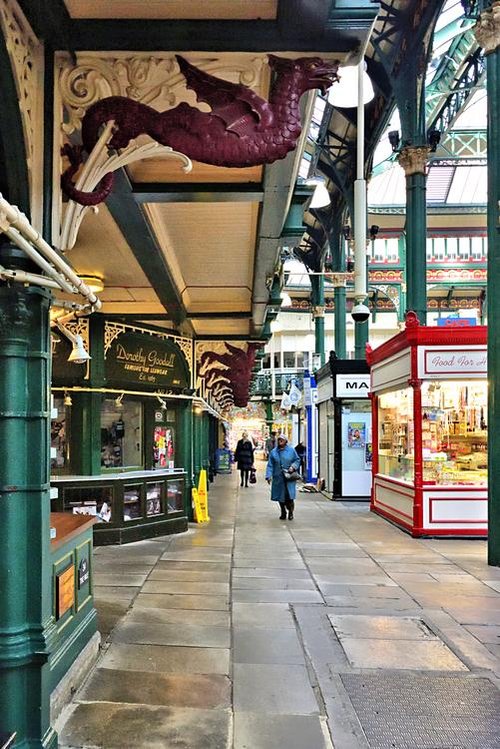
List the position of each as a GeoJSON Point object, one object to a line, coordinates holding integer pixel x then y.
{"type": "Point", "coordinates": [429, 405]}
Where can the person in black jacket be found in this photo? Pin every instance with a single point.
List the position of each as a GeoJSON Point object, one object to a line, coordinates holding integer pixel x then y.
{"type": "Point", "coordinates": [244, 457]}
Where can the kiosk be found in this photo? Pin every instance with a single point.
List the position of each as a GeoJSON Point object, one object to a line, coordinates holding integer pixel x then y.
{"type": "Point", "coordinates": [429, 398]}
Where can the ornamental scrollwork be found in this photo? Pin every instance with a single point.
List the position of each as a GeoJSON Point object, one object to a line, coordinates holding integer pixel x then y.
{"type": "Point", "coordinates": [26, 58]}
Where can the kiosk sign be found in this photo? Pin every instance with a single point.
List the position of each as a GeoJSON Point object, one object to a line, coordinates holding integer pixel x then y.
{"type": "Point", "coordinates": [453, 362]}
{"type": "Point", "coordinates": [352, 386]}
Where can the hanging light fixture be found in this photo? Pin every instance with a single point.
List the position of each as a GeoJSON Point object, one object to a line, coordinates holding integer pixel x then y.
{"type": "Point", "coordinates": [320, 197]}
{"type": "Point", "coordinates": [78, 355]}
{"type": "Point", "coordinates": [118, 401]}
{"type": "Point", "coordinates": [67, 400]}
{"type": "Point", "coordinates": [345, 93]}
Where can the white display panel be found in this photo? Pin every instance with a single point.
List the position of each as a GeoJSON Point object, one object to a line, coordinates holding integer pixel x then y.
{"type": "Point", "coordinates": [356, 425]}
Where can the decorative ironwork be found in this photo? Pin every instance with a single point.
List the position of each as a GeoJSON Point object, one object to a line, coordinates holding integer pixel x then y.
{"type": "Point", "coordinates": [26, 57]}
{"type": "Point", "coordinates": [113, 330]}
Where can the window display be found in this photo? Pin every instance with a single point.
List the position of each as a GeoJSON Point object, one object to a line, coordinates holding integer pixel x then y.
{"type": "Point", "coordinates": [454, 432]}
{"type": "Point", "coordinates": [121, 433]}
{"type": "Point", "coordinates": [89, 500]}
{"type": "Point", "coordinates": [132, 502]}
{"type": "Point", "coordinates": [175, 495]}
{"type": "Point", "coordinates": [163, 447]}
{"type": "Point", "coordinates": [153, 499]}
{"type": "Point", "coordinates": [396, 443]}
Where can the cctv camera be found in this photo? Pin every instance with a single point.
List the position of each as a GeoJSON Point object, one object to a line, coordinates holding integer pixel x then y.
{"type": "Point", "coordinates": [360, 313]}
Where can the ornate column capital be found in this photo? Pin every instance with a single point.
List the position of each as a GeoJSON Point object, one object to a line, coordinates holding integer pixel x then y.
{"type": "Point", "coordinates": [413, 159]}
{"type": "Point", "coordinates": [487, 28]}
{"type": "Point", "coordinates": [318, 310]}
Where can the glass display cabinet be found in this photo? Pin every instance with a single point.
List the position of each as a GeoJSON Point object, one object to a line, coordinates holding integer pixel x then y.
{"type": "Point", "coordinates": [127, 506]}
{"type": "Point", "coordinates": [429, 406]}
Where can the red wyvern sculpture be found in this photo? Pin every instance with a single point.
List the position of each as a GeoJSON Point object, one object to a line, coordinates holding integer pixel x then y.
{"type": "Point", "coordinates": [241, 130]}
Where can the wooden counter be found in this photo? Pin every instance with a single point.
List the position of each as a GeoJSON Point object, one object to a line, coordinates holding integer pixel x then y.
{"type": "Point", "coordinates": [68, 526]}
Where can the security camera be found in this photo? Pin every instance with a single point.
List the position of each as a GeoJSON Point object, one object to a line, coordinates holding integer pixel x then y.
{"type": "Point", "coordinates": [360, 313]}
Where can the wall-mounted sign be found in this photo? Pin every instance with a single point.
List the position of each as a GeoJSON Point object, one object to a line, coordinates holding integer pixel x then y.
{"type": "Point", "coordinates": [452, 362]}
{"type": "Point", "coordinates": [352, 386]}
{"type": "Point", "coordinates": [159, 416]}
{"type": "Point", "coordinates": [83, 572]}
{"type": "Point", "coordinates": [456, 322]}
{"type": "Point", "coordinates": [146, 361]}
{"type": "Point", "coordinates": [65, 591]}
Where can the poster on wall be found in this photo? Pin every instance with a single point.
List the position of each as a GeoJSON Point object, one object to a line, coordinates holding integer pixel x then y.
{"type": "Point", "coordinates": [356, 434]}
{"type": "Point", "coordinates": [368, 456]}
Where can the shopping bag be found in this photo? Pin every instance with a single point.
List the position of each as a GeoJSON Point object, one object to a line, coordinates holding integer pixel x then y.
{"type": "Point", "coordinates": [253, 476]}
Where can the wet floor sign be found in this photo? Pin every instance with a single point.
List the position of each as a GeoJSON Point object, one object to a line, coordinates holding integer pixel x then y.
{"type": "Point", "coordinates": [200, 499]}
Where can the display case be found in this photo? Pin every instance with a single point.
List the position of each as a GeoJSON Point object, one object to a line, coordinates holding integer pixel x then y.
{"type": "Point", "coordinates": [429, 407]}
{"type": "Point", "coordinates": [127, 506]}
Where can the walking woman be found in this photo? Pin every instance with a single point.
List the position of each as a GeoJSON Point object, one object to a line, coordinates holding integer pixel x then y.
{"type": "Point", "coordinates": [244, 457]}
{"type": "Point", "coordinates": [283, 458]}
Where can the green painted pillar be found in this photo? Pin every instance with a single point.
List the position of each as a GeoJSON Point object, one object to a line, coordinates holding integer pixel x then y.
{"type": "Point", "coordinates": [318, 307]}
{"type": "Point", "coordinates": [336, 241]}
{"type": "Point", "coordinates": [186, 451]}
{"type": "Point", "coordinates": [361, 332]}
{"type": "Point", "coordinates": [85, 445]}
{"type": "Point", "coordinates": [27, 628]}
{"type": "Point", "coordinates": [413, 159]}
{"type": "Point", "coordinates": [487, 32]}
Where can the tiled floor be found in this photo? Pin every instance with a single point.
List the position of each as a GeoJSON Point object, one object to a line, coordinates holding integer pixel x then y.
{"type": "Point", "coordinates": [334, 630]}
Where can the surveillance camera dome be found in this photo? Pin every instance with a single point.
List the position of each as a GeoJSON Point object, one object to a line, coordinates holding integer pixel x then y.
{"type": "Point", "coordinates": [360, 313]}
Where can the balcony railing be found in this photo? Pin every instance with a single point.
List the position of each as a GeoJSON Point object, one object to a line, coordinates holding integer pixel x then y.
{"type": "Point", "coordinates": [263, 382]}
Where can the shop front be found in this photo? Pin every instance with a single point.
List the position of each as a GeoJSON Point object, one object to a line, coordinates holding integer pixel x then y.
{"type": "Point", "coordinates": [122, 432]}
{"type": "Point", "coordinates": [345, 428]}
{"type": "Point", "coordinates": [430, 433]}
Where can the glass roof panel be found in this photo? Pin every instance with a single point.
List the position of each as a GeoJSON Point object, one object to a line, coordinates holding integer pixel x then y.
{"type": "Point", "coordinates": [469, 185]}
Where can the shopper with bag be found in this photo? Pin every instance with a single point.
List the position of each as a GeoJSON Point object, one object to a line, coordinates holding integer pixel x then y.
{"type": "Point", "coordinates": [244, 457]}
{"type": "Point", "coordinates": [282, 468]}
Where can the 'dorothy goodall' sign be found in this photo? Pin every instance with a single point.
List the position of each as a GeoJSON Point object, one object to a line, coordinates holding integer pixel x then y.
{"type": "Point", "coordinates": [147, 361]}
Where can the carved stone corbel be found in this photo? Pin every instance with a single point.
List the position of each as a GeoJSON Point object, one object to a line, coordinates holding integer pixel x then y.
{"type": "Point", "coordinates": [487, 28]}
{"type": "Point", "coordinates": [413, 159]}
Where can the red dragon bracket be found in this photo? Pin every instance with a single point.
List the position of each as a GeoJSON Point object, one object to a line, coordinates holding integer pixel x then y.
{"type": "Point", "coordinates": [241, 130]}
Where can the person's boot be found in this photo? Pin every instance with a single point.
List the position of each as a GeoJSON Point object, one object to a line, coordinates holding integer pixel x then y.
{"type": "Point", "coordinates": [290, 507]}
{"type": "Point", "coordinates": [283, 511]}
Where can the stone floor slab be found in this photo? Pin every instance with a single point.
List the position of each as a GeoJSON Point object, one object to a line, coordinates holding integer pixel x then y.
{"type": "Point", "coordinates": [271, 583]}
{"type": "Point", "coordinates": [188, 635]}
{"type": "Point", "coordinates": [166, 659]}
{"type": "Point", "coordinates": [362, 626]}
{"type": "Point", "coordinates": [276, 596]}
{"type": "Point", "coordinates": [182, 587]}
{"type": "Point", "coordinates": [195, 576]}
{"type": "Point", "coordinates": [113, 726]}
{"type": "Point", "coordinates": [401, 654]}
{"type": "Point", "coordinates": [178, 616]}
{"type": "Point", "coordinates": [171, 601]}
{"type": "Point", "coordinates": [273, 689]}
{"type": "Point", "coordinates": [267, 646]}
{"type": "Point", "coordinates": [257, 731]}
{"type": "Point", "coordinates": [248, 615]}
{"type": "Point", "coordinates": [205, 691]}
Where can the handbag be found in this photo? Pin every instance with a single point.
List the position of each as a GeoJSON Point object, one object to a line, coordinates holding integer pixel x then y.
{"type": "Point", "coordinates": [253, 476]}
{"type": "Point", "coordinates": [289, 476]}
{"type": "Point", "coordinates": [294, 476]}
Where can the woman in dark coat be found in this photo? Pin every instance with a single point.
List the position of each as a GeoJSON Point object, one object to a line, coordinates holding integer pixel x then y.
{"type": "Point", "coordinates": [244, 457]}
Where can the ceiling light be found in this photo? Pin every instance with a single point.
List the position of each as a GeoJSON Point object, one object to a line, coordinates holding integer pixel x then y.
{"type": "Point", "coordinates": [320, 197]}
{"type": "Point", "coordinates": [345, 93]}
{"type": "Point", "coordinates": [78, 354]}
{"type": "Point", "coordinates": [95, 283]}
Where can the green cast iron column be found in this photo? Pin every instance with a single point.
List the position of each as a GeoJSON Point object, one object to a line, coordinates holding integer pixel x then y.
{"type": "Point", "coordinates": [186, 451]}
{"type": "Point", "coordinates": [85, 456]}
{"type": "Point", "coordinates": [413, 159]}
{"type": "Point", "coordinates": [26, 625]}
{"type": "Point", "coordinates": [488, 36]}
{"type": "Point", "coordinates": [318, 305]}
{"type": "Point", "coordinates": [339, 293]}
{"type": "Point", "coordinates": [360, 338]}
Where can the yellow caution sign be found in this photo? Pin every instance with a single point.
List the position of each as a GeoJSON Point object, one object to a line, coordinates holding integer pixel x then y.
{"type": "Point", "coordinates": [203, 496]}
{"type": "Point", "coordinates": [198, 512]}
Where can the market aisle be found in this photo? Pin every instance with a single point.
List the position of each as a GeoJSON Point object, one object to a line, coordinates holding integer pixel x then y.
{"type": "Point", "coordinates": [256, 633]}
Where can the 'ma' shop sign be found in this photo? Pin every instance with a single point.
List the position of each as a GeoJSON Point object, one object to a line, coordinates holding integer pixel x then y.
{"type": "Point", "coordinates": [352, 386]}
{"type": "Point", "coordinates": [145, 361]}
